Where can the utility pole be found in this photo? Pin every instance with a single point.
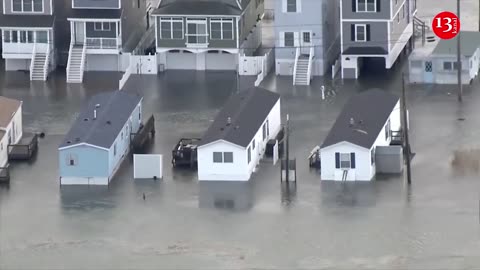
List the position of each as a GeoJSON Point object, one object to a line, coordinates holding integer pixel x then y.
{"type": "Point", "coordinates": [406, 143]}
{"type": "Point", "coordinates": [459, 60]}
{"type": "Point", "coordinates": [287, 156]}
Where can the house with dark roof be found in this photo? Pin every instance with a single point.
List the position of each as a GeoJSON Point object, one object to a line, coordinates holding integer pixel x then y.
{"type": "Point", "coordinates": [99, 139]}
{"type": "Point", "coordinates": [11, 130]}
{"type": "Point", "coordinates": [28, 36]}
{"type": "Point", "coordinates": [367, 121]}
{"type": "Point", "coordinates": [100, 32]}
{"type": "Point", "coordinates": [206, 34]}
{"type": "Point", "coordinates": [436, 62]}
{"type": "Point", "coordinates": [235, 142]}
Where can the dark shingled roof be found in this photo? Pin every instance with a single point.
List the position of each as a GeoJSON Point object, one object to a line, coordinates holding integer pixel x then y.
{"type": "Point", "coordinates": [248, 110]}
{"type": "Point", "coordinates": [96, 14]}
{"type": "Point", "coordinates": [200, 7]}
{"type": "Point", "coordinates": [27, 21]}
{"type": "Point", "coordinates": [115, 109]}
{"type": "Point", "coordinates": [365, 51]}
{"type": "Point", "coordinates": [372, 108]}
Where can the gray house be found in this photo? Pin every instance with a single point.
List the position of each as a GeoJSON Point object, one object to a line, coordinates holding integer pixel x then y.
{"type": "Point", "coordinates": [206, 34]}
{"type": "Point", "coordinates": [100, 31]}
{"type": "Point", "coordinates": [436, 62]}
{"type": "Point", "coordinates": [307, 37]}
{"type": "Point", "coordinates": [374, 29]}
{"type": "Point", "coordinates": [28, 36]}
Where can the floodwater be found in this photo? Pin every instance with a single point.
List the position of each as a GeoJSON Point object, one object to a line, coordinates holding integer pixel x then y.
{"type": "Point", "coordinates": [181, 224]}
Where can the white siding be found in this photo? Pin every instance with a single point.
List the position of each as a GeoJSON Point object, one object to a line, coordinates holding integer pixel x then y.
{"type": "Point", "coordinates": [362, 169]}
{"type": "Point", "coordinates": [208, 170]}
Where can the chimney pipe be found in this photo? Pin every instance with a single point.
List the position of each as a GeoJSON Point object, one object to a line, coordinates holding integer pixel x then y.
{"type": "Point", "coordinates": [94, 114]}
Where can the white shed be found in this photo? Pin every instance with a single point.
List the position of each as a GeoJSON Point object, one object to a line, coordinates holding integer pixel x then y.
{"type": "Point", "coordinates": [436, 62]}
{"type": "Point", "coordinates": [368, 120]}
{"type": "Point", "coordinates": [235, 142]}
{"type": "Point", "coordinates": [10, 125]}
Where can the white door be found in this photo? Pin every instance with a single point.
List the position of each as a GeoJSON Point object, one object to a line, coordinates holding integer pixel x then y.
{"type": "Point", "coordinates": [306, 42]}
{"type": "Point", "coordinates": [79, 32]}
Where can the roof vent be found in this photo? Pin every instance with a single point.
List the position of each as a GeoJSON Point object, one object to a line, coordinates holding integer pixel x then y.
{"type": "Point", "coordinates": [109, 123]}
{"type": "Point", "coordinates": [229, 121]}
{"type": "Point", "coordinates": [85, 119]}
{"type": "Point", "coordinates": [352, 122]}
{"type": "Point", "coordinates": [69, 142]}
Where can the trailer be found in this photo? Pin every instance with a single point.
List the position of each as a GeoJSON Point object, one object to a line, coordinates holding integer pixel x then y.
{"type": "Point", "coordinates": [185, 153]}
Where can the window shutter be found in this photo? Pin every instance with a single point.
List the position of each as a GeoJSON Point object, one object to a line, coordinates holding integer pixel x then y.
{"type": "Point", "coordinates": [296, 37]}
{"type": "Point", "coordinates": [352, 160]}
{"type": "Point", "coordinates": [337, 160]}
{"type": "Point", "coordinates": [354, 5]}
{"type": "Point", "coordinates": [378, 5]}
{"type": "Point", "coordinates": [368, 32]}
{"type": "Point", "coordinates": [284, 6]}
{"type": "Point", "coordinates": [352, 32]}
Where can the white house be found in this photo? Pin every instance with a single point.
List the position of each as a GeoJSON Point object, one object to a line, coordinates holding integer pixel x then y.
{"type": "Point", "coordinates": [10, 125]}
{"type": "Point", "coordinates": [368, 120]}
{"type": "Point", "coordinates": [235, 142]}
{"type": "Point", "coordinates": [436, 62]}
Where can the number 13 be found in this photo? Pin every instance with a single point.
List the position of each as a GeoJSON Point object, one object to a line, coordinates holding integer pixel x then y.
{"type": "Point", "coordinates": [448, 23]}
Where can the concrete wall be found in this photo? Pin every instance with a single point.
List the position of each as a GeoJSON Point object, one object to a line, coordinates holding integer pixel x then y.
{"type": "Point", "coordinates": [47, 8]}
{"type": "Point", "coordinates": [105, 4]}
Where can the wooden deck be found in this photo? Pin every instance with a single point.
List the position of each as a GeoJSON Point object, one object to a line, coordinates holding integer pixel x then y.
{"type": "Point", "coordinates": [25, 149]}
{"type": "Point", "coordinates": [144, 134]}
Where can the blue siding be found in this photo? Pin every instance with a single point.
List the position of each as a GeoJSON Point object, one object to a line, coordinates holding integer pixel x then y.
{"type": "Point", "coordinates": [123, 144]}
{"type": "Point", "coordinates": [91, 162]}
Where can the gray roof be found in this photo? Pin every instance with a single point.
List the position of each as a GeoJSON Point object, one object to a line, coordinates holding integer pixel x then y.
{"type": "Point", "coordinates": [115, 109]}
{"type": "Point", "coordinates": [247, 110]}
{"type": "Point", "coordinates": [200, 7]}
{"type": "Point", "coordinates": [370, 111]}
{"type": "Point", "coordinates": [96, 13]}
{"type": "Point", "coordinates": [27, 21]}
{"type": "Point", "coordinates": [470, 42]}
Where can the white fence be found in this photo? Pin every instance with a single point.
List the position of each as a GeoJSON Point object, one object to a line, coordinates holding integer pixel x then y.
{"type": "Point", "coordinates": [256, 65]}
{"type": "Point", "coordinates": [139, 64]}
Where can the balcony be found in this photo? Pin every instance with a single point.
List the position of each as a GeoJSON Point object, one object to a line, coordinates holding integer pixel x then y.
{"type": "Point", "coordinates": [103, 43]}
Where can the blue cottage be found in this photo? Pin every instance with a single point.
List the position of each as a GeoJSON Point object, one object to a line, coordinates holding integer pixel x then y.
{"type": "Point", "coordinates": [99, 139]}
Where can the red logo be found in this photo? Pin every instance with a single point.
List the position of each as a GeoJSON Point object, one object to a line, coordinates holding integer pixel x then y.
{"type": "Point", "coordinates": [446, 25]}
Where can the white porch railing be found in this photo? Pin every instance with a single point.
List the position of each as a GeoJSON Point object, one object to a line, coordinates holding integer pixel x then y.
{"type": "Point", "coordinates": [297, 55]}
{"type": "Point", "coordinates": [32, 62]}
{"type": "Point", "coordinates": [310, 63]}
{"type": "Point", "coordinates": [46, 64]}
{"type": "Point", "coordinates": [102, 43]}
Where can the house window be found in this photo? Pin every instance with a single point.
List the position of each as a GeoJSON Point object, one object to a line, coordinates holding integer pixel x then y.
{"type": "Point", "coordinates": [264, 131]}
{"type": "Point", "coordinates": [253, 144]}
{"type": "Point", "coordinates": [27, 6]}
{"type": "Point", "coordinates": [345, 161]}
{"type": "Point", "coordinates": [41, 36]}
{"type": "Point", "coordinates": [447, 65]}
{"type": "Point", "coordinates": [361, 32]}
{"type": "Point", "coordinates": [197, 31]}
{"type": "Point", "coordinates": [366, 5]}
{"type": "Point", "coordinates": [291, 5]}
{"type": "Point", "coordinates": [387, 130]}
{"type": "Point", "coordinates": [71, 160]}
{"type": "Point", "coordinates": [217, 157]}
{"type": "Point", "coordinates": [14, 36]}
{"type": "Point", "coordinates": [6, 36]}
{"type": "Point", "coordinates": [249, 155]}
{"type": "Point", "coordinates": [228, 157]}
{"type": "Point", "coordinates": [115, 149]}
{"type": "Point", "coordinates": [221, 29]}
{"type": "Point", "coordinates": [306, 37]}
{"type": "Point", "coordinates": [372, 156]}
{"type": "Point", "coordinates": [101, 26]}
{"type": "Point", "coordinates": [289, 39]}
{"type": "Point", "coordinates": [403, 12]}
{"type": "Point", "coordinates": [428, 66]}
{"type": "Point", "coordinates": [171, 28]}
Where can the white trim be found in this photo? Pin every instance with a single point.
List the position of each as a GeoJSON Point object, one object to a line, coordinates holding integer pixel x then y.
{"type": "Point", "coordinates": [83, 144]}
{"type": "Point", "coordinates": [366, 20]}
{"type": "Point", "coordinates": [298, 8]}
{"type": "Point", "coordinates": [389, 39]}
{"type": "Point", "coordinates": [296, 39]}
{"type": "Point", "coordinates": [171, 21]}
{"type": "Point", "coordinates": [366, 5]}
{"type": "Point", "coordinates": [237, 32]}
{"type": "Point", "coordinates": [92, 20]}
{"type": "Point", "coordinates": [102, 26]}
{"type": "Point", "coordinates": [205, 16]}
{"type": "Point", "coordinates": [355, 27]}
{"type": "Point", "coordinates": [221, 21]}
{"type": "Point", "coordinates": [347, 142]}
{"type": "Point", "coordinates": [206, 34]}
{"type": "Point", "coordinates": [341, 31]}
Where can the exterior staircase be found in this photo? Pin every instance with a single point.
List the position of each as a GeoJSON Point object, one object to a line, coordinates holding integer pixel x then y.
{"type": "Point", "coordinates": [302, 72]}
{"type": "Point", "coordinates": [39, 67]}
{"type": "Point", "coordinates": [76, 64]}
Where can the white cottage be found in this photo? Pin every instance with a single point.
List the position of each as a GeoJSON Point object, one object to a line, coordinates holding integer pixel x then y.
{"type": "Point", "coordinates": [235, 142]}
{"type": "Point", "coordinates": [10, 126]}
{"type": "Point", "coordinates": [368, 120]}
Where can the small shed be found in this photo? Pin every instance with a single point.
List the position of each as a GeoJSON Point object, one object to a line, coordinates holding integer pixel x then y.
{"type": "Point", "coordinates": [11, 130]}
{"type": "Point", "coordinates": [436, 61]}
{"type": "Point", "coordinates": [99, 139]}
{"type": "Point", "coordinates": [147, 166]}
{"type": "Point", "coordinates": [367, 121]}
{"type": "Point", "coordinates": [235, 142]}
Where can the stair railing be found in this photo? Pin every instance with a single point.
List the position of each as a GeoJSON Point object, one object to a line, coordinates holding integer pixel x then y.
{"type": "Point", "coordinates": [310, 63]}
{"type": "Point", "coordinates": [69, 59]}
{"type": "Point", "coordinates": [46, 64]}
{"type": "Point", "coordinates": [297, 56]}
{"type": "Point", "coordinates": [32, 62]}
{"type": "Point", "coordinates": [82, 65]}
